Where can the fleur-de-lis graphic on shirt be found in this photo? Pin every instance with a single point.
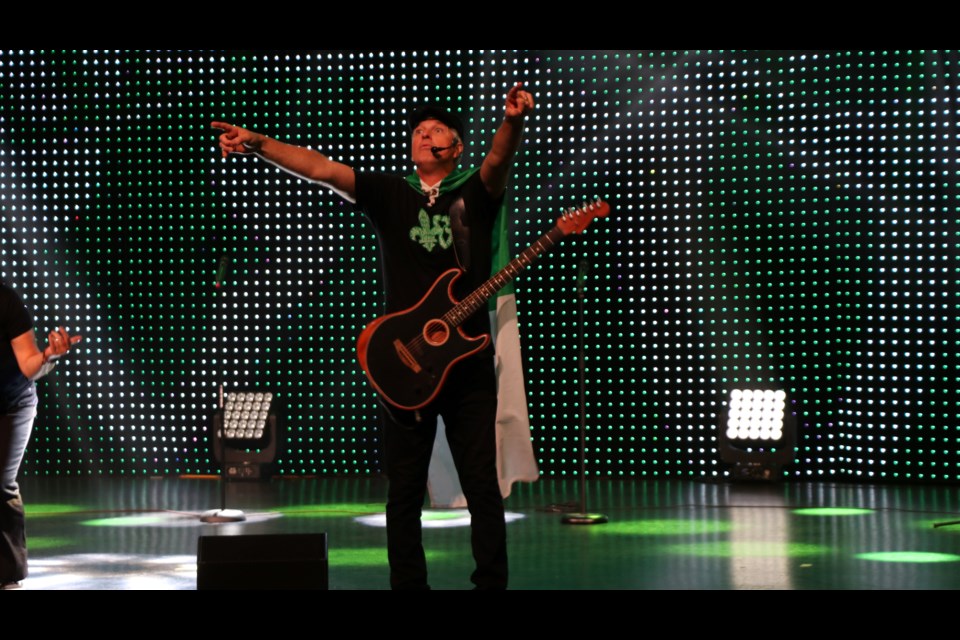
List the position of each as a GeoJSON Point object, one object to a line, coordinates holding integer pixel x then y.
{"type": "Point", "coordinates": [432, 233]}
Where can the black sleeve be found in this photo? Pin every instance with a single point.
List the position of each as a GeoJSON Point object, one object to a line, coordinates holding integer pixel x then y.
{"type": "Point", "coordinates": [375, 192]}
{"type": "Point", "coordinates": [15, 319]}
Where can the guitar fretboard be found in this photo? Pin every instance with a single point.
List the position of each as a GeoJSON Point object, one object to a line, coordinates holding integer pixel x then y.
{"type": "Point", "coordinates": [469, 305]}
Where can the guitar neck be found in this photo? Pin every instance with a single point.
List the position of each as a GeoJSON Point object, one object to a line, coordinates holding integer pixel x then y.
{"type": "Point", "coordinates": [469, 305]}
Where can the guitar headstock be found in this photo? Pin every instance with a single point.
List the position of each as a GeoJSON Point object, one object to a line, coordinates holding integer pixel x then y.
{"type": "Point", "coordinates": [576, 220]}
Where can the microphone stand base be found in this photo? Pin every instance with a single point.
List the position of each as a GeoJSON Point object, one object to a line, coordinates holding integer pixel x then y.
{"type": "Point", "coordinates": [217, 516]}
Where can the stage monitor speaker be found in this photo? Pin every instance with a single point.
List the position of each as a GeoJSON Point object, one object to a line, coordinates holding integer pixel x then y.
{"type": "Point", "coordinates": [262, 562]}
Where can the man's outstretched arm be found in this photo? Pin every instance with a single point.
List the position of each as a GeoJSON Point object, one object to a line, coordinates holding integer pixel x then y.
{"type": "Point", "coordinates": [302, 162]}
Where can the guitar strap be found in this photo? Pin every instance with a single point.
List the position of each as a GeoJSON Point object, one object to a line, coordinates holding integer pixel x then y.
{"type": "Point", "coordinates": [461, 233]}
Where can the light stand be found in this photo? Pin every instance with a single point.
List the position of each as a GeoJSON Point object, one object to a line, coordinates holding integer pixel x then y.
{"type": "Point", "coordinates": [221, 515]}
{"type": "Point", "coordinates": [582, 516]}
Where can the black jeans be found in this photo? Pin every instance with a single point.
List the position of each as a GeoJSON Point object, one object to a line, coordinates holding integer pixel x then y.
{"type": "Point", "coordinates": [468, 405]}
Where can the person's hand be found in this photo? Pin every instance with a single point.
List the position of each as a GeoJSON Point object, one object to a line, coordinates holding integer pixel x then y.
{"type": "Point", "coordinates": [236, 139]}
{"type": "Point", "coordinates": [519, 102]}
{"type": "Point", "coordinates": [58, 343]}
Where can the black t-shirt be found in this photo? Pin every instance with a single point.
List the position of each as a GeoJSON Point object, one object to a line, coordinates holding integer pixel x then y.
{"type": "Point", "coordinates": [15, 389]}
{"type": "Point", "coordinates": [416, 239]}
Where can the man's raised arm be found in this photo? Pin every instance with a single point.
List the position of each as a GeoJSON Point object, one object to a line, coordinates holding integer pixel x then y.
{"type": "Point", "coordinates": [495, 170]}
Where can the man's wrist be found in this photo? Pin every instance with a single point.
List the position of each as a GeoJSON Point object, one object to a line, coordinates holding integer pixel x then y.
{"type": "Point", "coordinates": [255, 145]}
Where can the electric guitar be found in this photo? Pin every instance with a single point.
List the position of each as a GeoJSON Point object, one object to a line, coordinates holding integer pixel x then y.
{"type": "Point", "coordinates": [407, 355]}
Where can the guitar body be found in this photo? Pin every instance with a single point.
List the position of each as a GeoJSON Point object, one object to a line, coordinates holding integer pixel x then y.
{"type": "Point", "coordinates": [408, 354]}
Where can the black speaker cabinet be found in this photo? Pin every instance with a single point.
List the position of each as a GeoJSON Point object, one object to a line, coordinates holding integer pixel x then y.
{"type": "Point", "coordinates": [269, 561]}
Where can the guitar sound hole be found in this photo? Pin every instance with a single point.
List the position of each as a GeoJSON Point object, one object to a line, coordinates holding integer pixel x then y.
{"type": "Point", "coordinates": [436, 333]}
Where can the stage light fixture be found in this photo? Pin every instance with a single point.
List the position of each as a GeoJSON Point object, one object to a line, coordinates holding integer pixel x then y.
{"type": "Point", "coordinates": [247, 435]}
{"type": "Point", "coordinates": [758, 434]}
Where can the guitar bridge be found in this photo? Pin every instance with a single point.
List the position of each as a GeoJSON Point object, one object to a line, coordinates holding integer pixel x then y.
{"type": "Point", "coordinates": [406, 357]}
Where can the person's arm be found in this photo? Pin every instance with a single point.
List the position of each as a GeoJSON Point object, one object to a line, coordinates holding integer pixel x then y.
{"type": "Point", "coordinates": [300, 161]}
{"type": "Point", "coordinates": [495, 170]}
{"type": "Point", "coordinates": [34, 364]}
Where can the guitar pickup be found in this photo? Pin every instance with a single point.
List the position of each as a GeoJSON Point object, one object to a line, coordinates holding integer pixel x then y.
{"type": "Point", "coordinates": [406, 357]}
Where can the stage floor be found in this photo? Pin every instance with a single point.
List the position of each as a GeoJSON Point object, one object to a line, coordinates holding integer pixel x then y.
{"type": "Point", "coordinates": [143, 533]}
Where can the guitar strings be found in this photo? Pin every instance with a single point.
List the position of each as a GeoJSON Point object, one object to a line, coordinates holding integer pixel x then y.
{"type": "Point", "coordinates": [468, 306]}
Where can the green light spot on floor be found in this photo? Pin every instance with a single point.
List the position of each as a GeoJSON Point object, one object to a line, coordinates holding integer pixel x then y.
{"type": "Point", "coordinates": [363, 557]}
{"type": "Point", "coordinates": [129, 521]}
{"type": "Point", "coordinates": [35, 543]}
{"type": "Point", "coordinates": [747, 549]}
{"type": "Point", "coordinates": [453, 514]}
{"type": "Point", "coordinates": [42, 510]}
{"type": "Point", "coordinates": [327, 510]}
{"type": "Point", "coordinates": [374, 557]}
{"type": "Point", "coordinates": [661, 527]}
{"type": "Point", "coordinates": [913, 557]}
{"type": "Point", "coordinates": [836, 511]}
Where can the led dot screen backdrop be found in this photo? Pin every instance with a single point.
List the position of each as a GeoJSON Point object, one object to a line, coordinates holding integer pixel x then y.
{"type": "Point", "coordinates": [780, 219]}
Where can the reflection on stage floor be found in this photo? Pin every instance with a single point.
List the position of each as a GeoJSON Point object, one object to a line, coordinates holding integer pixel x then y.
{"type": "Point", "coordinates": [142, 533]}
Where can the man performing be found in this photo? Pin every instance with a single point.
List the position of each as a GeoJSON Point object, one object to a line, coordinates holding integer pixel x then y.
{"type": "Point", "coordinates": [459, 208]}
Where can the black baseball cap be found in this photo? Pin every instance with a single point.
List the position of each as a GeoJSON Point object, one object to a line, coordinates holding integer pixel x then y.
{"type": "Point", "coordinates": [433, 112]}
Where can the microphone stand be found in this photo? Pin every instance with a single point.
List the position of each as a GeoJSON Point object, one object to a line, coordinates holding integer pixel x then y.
{"type": "Point", "coordinates": [582, 517]}
{"type": "Point", "coordinates": [221, 515]}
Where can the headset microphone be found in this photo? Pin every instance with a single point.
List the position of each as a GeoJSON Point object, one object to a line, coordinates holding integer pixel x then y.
{"type": "Point", "coordinates": [436, 150]}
